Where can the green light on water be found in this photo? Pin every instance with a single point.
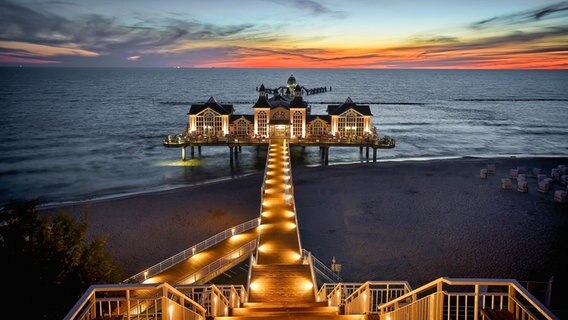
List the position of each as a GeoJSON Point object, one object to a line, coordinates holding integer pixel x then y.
{"type": "Point", "coordinates": [180, 163]}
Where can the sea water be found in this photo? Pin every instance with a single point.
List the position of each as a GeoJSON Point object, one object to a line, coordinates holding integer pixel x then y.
{"type": "Point", "coordinates": [69, 134]}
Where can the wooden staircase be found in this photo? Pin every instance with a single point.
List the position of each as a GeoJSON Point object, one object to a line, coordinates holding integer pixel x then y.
{"type": "Point", "coordinates": [281, 284]}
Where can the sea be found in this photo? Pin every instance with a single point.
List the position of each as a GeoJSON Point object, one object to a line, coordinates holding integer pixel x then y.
{"type": "Point", "coordinates": [74, 134]}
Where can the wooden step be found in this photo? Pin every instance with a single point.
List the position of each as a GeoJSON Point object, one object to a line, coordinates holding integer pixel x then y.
{"type": "Point", "coordinates": [281, 311]}
{"type": "Point", "coordinates": [297, 316]}
{"type": "Point", "coordinates": [281, 283]}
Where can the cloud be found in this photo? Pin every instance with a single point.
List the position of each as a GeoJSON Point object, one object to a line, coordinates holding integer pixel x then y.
{"type": "Point", "coordinates": [105, 35]}
{"type": "Point", "coordinates": [133, 58]}
{"type": "Point", "coordinates": [557, 10]}
{"type": "Point", "coordinates": [313, 7]}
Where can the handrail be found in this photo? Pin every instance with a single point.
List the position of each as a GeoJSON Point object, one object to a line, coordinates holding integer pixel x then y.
{"type": "Point", "coordinates": [219, 263]}
{"type": "Point", "coordinates": [235, 294]}
{"type": "Point", "coordinates": [191, 251]}
{"type": "Point", "coordinates": [323, 270]}
{"type": "Point", "coordinates": [368, 297]}
{"type": "Point", "coordinates": [341, 291]}
{"type": "Point", "coordinates": [313, 274]}
{"type": "Point", "coordinates": [95, 304]}
{"type": "Point", "coordinates": [436, 287]}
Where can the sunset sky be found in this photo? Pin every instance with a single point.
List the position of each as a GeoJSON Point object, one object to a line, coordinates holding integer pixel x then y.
{"type": "Point", "coordinates": [455, 34]}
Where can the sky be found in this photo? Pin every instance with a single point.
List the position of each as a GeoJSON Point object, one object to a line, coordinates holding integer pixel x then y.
{"type": "Point", "coordinates": [398, 34]}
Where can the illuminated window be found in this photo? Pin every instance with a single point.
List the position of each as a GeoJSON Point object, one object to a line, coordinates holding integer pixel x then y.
{"type": "Point", "coordinates": [280, 115]}
{"type": "Point", "coordinates": [350, 124]}
{"type": "Point", "coordinates": [297, 122]}
{"type": "Point", "coordinates": [209, 124]}
{"type": "Point", "coordinates": [242, 127]}
{"type": "Point", "coordinates": [317, 128]}
{"type": "Point", "coordinates": [262, 120]}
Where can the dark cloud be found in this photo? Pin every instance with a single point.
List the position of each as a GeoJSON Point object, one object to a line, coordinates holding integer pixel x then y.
{"type": "Point", "coordinates": [313, 7]}
{"type": "Point", "coordinates": [106, 35]}
{"type": "Point", "coordinates": [307, 54]}
{"type": "Point", "coordinates": [559, 9]}
{"type": "Point", "coordinates": [513, 38]}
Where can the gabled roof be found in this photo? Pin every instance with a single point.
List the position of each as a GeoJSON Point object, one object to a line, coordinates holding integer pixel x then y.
{"type": "Point", "coordinates": [325, 118]}
{"type": "Point", "coordinates": [279, 101]}
{"type": "Point", "coordinates": [212, 104]}
{"type": "Point", "coordinates": [262, 102]}
{"type": "Point", "coordinates": [348, 104]}
{"type": "Point", "coordinates": [298, 102]}
{"type": "Point", "coordinates": [235, 117]}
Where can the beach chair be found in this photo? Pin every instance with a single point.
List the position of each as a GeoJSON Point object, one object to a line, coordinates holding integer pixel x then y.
{"type": "Point", "coordinates": [560, 196]}
{"type": "Point", "coordinates": [564, 179]}
{"type": "Point", "coordinates": [536, 171]}
{"type": "Point", "coordinates": [522, 177]}
{"type": "Point", "coordinates": [542, 187]}
{"type": "Point", "coordinates": [562, 168]}
{"type": "Point", "coordinates": [523, 186]}
{"type": "Point", "coordinates": [506, 183]}
{"type": "Point", "coordinates": [555, 174]}
{"type": "Point", "coordinates": [483, 173]}
{"type": "Point", "coordinates": [513, 173]}
{"type": "Point", "coordinates": [491, 168]}
{"type": "Point", "coordinates": [540, 177]}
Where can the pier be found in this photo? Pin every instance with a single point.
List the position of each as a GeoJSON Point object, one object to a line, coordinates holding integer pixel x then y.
{"type": "Point", "coordinates": [284, 115]}
{"type": "Point", "coordinates": [235, 145]}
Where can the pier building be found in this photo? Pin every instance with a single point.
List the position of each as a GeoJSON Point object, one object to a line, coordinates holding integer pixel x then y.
{"type": "Point", "coordinates": [281, 113]}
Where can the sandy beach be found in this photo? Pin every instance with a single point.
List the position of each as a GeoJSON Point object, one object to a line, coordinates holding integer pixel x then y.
{"type": "Point", "coordinates": [412, 220]}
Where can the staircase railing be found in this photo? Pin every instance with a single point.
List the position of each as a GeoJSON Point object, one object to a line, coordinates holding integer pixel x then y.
{"type": "Point", "coordinates": [372, 294]}
{"type": "Point", "coordinates": [210, 297]}
{"type": "Point", "coordinates": [191, 251]}
{"type": "Point", "coordinates": [313, 274]}
{"type": "Point", "coordinates": [341, 291]}
{"type": "Point", "coordinates": [322, 270]}
{"type": "Point", "coordinates": [135, 301]}
{"type": "Point", "coordinates": [214, 268]}
{"type": "Point", "coordinates": [465, 299]}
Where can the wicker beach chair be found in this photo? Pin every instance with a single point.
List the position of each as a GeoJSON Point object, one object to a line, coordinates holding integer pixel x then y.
{"type": "Point", "coordinates": [544, 185]}
{"type": "Point", "coordinates": [522, 186]}
{"type": "Point", "coordinates": [522, 177]}
{"type": "Point", "coordinates": [536, 171]}
{"type": "Point", "coordinates": [491, 168]}
{"type": "Point", "coordinates": [560, 196]}
{"type": "Point", "coordinates": [506, 183]}
{"type": "Point", "coordinates": [555, 174]}
{"type": "Point", "coordinates": [540, 177]}
{"type": "Point", "coordinates": [513, 173]}
{"type": "Point", "coordinates": [483, 173]}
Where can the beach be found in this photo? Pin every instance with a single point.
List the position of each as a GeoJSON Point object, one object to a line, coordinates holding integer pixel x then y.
{"type": "Point", "coordinates": [410, 220]}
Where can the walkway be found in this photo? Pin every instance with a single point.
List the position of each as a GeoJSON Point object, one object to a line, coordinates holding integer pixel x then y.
{"type": "Point", "coordinates": [281, 284]}
{"type": "Point", "coordinates": [184, 273]}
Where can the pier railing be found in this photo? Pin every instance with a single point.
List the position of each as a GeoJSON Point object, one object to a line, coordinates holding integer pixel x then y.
{"type": "Point", "coordinates": [466, 299]}
{"type": "Point", "coordinates": [378, 141]}
{"type": "Point", "coordinates": [189, 252]}
{"type": "Point", "coordinates": [135, 301]}
{"type": "Point", "coordinates": [222, 264]}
